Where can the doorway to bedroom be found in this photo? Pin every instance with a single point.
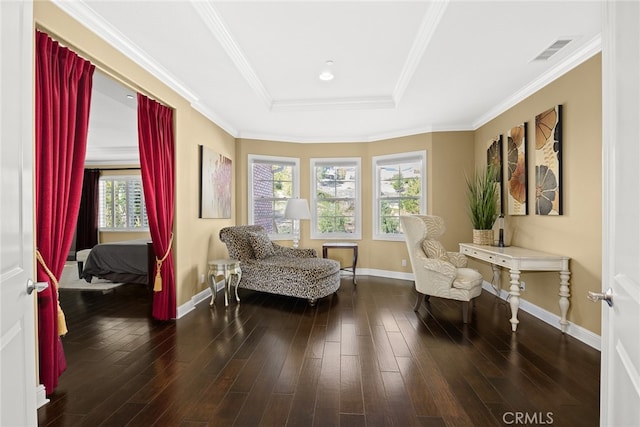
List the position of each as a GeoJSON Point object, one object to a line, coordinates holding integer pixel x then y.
{"type": "Point", "coordinates": [112, 212]}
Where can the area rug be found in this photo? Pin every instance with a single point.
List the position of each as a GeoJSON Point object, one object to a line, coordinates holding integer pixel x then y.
{"type": "Point", "coordinates": [70, 280]}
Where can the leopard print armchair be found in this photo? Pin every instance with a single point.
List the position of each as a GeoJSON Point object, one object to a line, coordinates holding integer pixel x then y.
{"type": "Point", "coordinates": [269, 267]}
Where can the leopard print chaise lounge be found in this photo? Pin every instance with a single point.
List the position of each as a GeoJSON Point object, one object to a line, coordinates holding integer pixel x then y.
{"type": "Point", "coordinates": [269, 267]}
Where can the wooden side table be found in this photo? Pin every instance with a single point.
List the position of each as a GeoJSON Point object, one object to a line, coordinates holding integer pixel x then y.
{"type": "Point", "coordinates": [344, 245]}
{"type": "Point", "coordinates": [226, 268]}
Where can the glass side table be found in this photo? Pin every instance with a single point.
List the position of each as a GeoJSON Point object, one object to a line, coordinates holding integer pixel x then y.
{"type": "Point", "coordinates": [227, 268]}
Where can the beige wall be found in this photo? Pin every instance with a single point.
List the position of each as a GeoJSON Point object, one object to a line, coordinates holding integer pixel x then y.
{"type": "Point", "coordinates": [195, 240]}
{"type": "Point", "coordinates": [577, 233]}
{"type": "Point", "coordinates": [449, 156]}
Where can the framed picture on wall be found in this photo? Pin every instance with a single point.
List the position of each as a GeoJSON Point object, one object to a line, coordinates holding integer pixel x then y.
{"type": "Point", "coordinates": [549, 162]}
{"type": "Point", "coordinates": [494, 158]}
{"type": "Point", "coordinates": [517, 172]}
{"type": "Point", "coordinates": [215, 184]}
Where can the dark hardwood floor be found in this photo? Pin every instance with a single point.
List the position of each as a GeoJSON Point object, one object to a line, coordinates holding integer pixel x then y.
{"type": "Point", "coordinates": [361, 357]}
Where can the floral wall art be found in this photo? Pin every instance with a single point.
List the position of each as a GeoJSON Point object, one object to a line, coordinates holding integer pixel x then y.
{"type": "Point", "coordinates": [494, 158]}
{"type": "Point", "coordinates": [215, 184]}
{"type": "Point", "coordinates": [517, 170]}
{"type": "Point", "coordinates": [549, 162]}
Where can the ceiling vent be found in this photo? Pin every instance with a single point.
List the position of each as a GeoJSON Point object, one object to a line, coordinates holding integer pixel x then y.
{"type": "Point", "coordinates": [553, 49]}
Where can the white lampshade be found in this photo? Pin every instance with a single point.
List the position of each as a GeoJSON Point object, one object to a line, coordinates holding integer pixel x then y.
{"type": "Point", "coordinates": [297, 209]}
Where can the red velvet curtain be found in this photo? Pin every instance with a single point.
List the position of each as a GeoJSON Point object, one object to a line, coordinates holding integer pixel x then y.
{"type": "Point", "coordinates": [156, 145]}
{"type": "Point", "coordinates": [63, 98]}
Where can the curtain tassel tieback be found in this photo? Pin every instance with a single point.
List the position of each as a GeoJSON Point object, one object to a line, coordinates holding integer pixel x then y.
{"type": "Point", "coordinates": [62, 323]}
{"type": "Point", "coordinates": [157, 283]}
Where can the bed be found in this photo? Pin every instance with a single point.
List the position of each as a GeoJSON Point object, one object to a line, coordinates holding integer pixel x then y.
{"type": "Point", "coordinates": [128, 261]}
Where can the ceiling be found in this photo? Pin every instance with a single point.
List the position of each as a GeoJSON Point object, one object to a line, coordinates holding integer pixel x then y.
{"type": "Point", "coordinates": [400, 67]}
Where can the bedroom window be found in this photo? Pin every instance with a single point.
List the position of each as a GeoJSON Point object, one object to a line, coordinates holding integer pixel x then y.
{"type": "Point", "coordinates": [335, 198]}
{"type": "Point", "coordinates": [400, 188]}
{"type": "Point", "coordinates": [272, 181]}
{"type": "Point", "coordinates": [122, 206]}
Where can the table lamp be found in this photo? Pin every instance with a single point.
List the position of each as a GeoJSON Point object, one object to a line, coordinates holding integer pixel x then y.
{"type": "Point", "coordinates": [296, 210]}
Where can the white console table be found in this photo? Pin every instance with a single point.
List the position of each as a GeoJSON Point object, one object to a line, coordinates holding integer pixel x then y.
{"type": "Point", "coordinates": [520, 259]}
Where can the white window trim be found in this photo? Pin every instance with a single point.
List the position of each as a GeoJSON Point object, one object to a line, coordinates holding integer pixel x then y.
{"type": "Point", "coordinates": [127, 229]}
{"type": "Point", "coordinates": [394, 158]}
{"type": "Point", "coordinates": [358, 214]}
{"type": "Point", "coordinates": [251, 158]}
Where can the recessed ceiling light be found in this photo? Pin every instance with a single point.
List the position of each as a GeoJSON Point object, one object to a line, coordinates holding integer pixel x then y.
{"type": "Point", "coordinates": [325, 76]}
{"type": "Point", "coordinates": [129, 96]}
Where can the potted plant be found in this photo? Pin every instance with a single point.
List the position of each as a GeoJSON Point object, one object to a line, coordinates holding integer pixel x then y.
{"type": "Point", "coordinates": [482, 196]}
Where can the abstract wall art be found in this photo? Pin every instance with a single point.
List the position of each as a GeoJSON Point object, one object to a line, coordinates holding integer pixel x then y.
{"type": "Point", "coordinates": [494, 159]}
{"type": "Point", "coordinates": [549, 162]}
{"type": "Point", "coordinates": [517, 170]}
{"type": "Point", "coordinates": [215, 184]}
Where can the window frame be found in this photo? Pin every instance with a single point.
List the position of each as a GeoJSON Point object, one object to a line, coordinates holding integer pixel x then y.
{"type": "Point", "coordinates": [295, 185]}
{"type": "Point", "coordinates": [102, 203]}
{"type": "Point", "coordinates": [391, 159]}
{"type": "Point", "coordinates": [336, 161]}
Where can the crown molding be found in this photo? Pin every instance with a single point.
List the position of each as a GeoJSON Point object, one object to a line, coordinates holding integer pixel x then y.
{"type": "Point", "coordinates": [420, 43]}
{"type": "Point", "coordinates": [206, 111]}
{"type": "Point", "coordinates": [323, 104]}
{"type": "Point", "coordinates": [218, 28]}
{"type": "Point", "coordinates": [591, 48]}
{"type": "Point", "coordinates": [87, 17]}
{"type": "Point", "coordinates": [332, 139]}
{"type": "Point", "coordinates": [81, 12]}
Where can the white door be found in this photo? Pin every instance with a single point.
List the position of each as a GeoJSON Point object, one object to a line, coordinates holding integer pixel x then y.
{"type": "Point", "coordinates": [620, 385]}
{"type": "Point", "coordinates": [17, 329]}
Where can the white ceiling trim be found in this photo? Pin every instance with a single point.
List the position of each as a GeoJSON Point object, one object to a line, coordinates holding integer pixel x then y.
{"type": "Point", "coordinates": [351, 103]}
{"type": "Point", "coordinates": [89, 18]}
{"type": "Point", "coordinates": [86, 16]}
{"type": "Point", "coordinates": [357, 138]}
{"type": "Point", "coordinates": [218, 28]}
{"type": "Point", "coordinates": [590, 49]}
{"type": "Point", "coordinates": [425, 33]}
{"type": "Point", "coordinates": [216, 25]}
{"type": "Point", "coordinates": [215, 118]}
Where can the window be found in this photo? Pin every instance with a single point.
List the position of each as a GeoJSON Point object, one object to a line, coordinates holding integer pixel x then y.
{"type": "Point", "coordinates": [122, 204]}
{"type": "Point", "coordinates": [272, 181]}
{"type": "Point", "coordinates": [335, 198]}
{"type": "Point", "coordinates": [400, 188]}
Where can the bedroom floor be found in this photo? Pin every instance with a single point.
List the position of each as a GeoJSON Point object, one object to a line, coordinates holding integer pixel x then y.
{"type": "Point", "coordinates": [360, 357]}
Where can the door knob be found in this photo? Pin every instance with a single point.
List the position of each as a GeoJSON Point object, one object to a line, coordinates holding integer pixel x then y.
{"type": "Point", "coordinates": [36, 286]}
{"type": "Point", "coordinates": [599, 296]}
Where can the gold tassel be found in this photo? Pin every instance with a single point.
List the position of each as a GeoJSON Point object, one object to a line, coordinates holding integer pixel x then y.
{"type": "Point", "coordinates": [62, 323]}
{"type": "Point", "coordinates": [157, 283]}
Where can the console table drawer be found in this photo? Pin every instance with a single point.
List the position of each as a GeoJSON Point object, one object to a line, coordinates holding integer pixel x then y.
{"type": "Point", "coordinates": [479, 254]}
{"type": "Point", "coordinates": [502, 260]}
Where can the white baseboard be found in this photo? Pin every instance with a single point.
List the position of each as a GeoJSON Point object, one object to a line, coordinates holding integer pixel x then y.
{"type": "Point", "coordinates": [197, 299]}
{"type": "Point", "coordinates": [578, 332]}
{"type": "Point", "coordinates": [384, 273]}
{"type": "Point", "coordinates": [41, 396]}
